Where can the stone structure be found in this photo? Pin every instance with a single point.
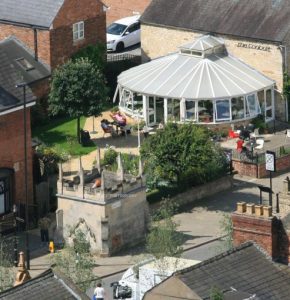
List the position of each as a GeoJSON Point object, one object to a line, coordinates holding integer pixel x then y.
{"type": "Point", "coordinates": [111, 216]}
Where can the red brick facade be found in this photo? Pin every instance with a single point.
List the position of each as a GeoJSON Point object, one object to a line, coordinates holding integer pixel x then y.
{"type": "Point", "coordinates": [12, 152]}
{"type": "Point", "coordinates": [56, 45]}
{"type": "Point", "coordinates": [124, 8]}
{"type": "Point", "coordinates": [267, 232]}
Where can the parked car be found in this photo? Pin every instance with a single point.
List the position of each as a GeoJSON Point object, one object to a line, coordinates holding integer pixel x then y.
{"type": "Point", "coordinates": [123, 33]}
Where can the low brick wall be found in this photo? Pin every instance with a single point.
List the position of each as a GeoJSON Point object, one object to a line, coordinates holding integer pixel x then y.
{"type": "Point", "coordinates": [259, 171]}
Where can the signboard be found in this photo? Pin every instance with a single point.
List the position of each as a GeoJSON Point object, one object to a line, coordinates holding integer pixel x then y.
{"type": "Point", "coordinates": [270, 161]}
{"type": "Point", "coordinates": [256, 47]}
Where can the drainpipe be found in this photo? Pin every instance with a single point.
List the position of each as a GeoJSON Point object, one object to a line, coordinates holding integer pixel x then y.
{"type": "Point", "coordinates": [283, 48]}
{"type": "Point", "coordinates": [35, 44]}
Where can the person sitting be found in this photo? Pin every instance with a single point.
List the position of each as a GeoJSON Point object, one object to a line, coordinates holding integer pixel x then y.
{"type": "Point", "coordinates": [119, 118]}
{"type": "Point", "coordinates": [107, 127]}
{"type": "Point", "coordinates": [240, 143]}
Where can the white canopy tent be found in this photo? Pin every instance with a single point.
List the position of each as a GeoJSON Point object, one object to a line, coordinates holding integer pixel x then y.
{"type": "Point", "coordinates": [200, 83]}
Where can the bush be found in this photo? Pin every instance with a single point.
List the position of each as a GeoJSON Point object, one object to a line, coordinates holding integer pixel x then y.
{"type": "Point", "coordinates": [110, 157]}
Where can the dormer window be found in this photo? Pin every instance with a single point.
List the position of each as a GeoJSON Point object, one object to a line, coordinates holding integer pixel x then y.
{"type": "Point", "coordinates": [25, 64]}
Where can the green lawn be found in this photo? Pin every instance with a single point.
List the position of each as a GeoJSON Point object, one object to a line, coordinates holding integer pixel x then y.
{"type": "Point", "coordinates": [61, 134]}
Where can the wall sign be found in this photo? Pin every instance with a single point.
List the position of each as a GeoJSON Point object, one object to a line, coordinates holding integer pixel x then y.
{"type": "Point", "coordinates": [255, 47]}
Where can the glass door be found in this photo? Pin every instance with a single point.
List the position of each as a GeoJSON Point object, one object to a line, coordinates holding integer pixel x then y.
{"type": "Point", "coordinates": [151, 116]}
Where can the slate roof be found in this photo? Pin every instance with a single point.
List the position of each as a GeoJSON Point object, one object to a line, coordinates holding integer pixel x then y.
{"type": "Point", "coordinates": [13, 73]}
{"type": "Point", "coordinates": [245, 269]}
{"type": "Point", "coordinates": [31, 12]}
{"type": "Point", "coordinates": [46, 286]}
{"type": "Point", "coordinates": [258, 19]}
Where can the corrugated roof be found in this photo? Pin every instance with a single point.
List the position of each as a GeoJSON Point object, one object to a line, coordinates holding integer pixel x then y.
{"type": "Point", "coordinates": [32, 12]}
{"type": "Point", "coordinates": [179, 75]}
{"type": "Point", "coordinates": [258, 19]}
{"type": "Point", "coordinates": [244, 268]}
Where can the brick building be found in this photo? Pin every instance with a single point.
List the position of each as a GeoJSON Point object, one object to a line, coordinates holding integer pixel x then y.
{"type": "Point", "coordinates": [53, 29]}
{"type": "Point", "coordinates": [17, 66]}
{"type": "Point", "coordinates": [120, 9]}
{"type": "Point", "coordinates": [256, 32]}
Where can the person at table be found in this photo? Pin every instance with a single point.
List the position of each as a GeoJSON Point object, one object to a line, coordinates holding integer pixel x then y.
{"type": "Point", "coordinates": [105, 124]}
{"type": "Point", "coordinates": [119, 118]}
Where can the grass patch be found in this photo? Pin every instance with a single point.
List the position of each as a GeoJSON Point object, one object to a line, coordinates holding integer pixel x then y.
{"type": "Point", "coordinates": [61, 133]}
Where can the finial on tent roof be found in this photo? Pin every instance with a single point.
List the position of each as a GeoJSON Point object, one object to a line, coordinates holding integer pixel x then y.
{"type": "Point", "coordinates": [22, 274]}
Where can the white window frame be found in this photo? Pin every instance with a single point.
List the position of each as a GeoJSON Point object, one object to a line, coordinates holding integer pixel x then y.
{"type": "Point", "coordinates": [216, 113]}
{"type": "Point", "coordinates": [78, 31]}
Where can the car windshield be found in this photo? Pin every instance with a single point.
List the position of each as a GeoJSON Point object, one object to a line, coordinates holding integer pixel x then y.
{"type": "Point", "coordinates": [116, 29]}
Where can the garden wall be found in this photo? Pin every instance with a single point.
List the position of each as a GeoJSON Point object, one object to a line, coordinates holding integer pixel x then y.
{"type": "Point", "coordinates": [259, 171]}
{"type": "Point", "coordinates": [202, 191]}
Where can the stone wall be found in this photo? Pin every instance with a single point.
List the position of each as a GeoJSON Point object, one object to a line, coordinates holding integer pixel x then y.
{"type": "Point", "coordinates": [12, 152]}
{"type": "Point", "coordinates": [266, 57]}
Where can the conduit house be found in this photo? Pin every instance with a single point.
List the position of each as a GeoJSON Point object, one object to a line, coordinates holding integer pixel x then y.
{"type": "Point", "coordinates": [18, 66]}
{"type": "Point", "coordinates": [201, 83]}
{"type": "Point", "coordinates": [255, 32]}
{"type": "Point", "coordinates": [54, 29]}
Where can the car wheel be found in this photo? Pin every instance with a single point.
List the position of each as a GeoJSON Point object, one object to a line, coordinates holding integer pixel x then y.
{"type": "Point", "coordinates": [120, 47]}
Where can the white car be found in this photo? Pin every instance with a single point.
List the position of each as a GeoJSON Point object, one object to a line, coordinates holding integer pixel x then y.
{"type": "Point", "coordinates": [123, 33]}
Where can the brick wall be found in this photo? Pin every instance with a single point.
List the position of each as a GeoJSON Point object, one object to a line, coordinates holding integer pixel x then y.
{"type": "Point", "coordinates": [256, 223]}
{"type": "Point", "coordinates": [61, 36]}
{"type": "Point", "coordinates": [26, 35]}
{"type": "Point", "coordinates": [119, 9]}
{"type": "Point", "coordinates": [12, 151]}
{"type": "Point", "coordinates": [259, 171]}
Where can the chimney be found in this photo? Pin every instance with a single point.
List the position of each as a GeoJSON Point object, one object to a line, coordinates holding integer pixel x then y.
{"type": "Point", "coordinates": [255, 223]}
{"type": "Point", "coordinates": [22, 274]}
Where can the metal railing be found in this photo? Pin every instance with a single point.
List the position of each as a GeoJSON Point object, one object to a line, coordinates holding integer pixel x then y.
{"type": "Point", "coordinates": [124, 56]}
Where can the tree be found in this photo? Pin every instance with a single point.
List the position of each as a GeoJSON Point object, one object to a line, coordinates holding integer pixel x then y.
{"type": "Point", "coordinates": [77, 89]}
{"type": "Point", "coordinates": [76, 262]}
{"type": "Point", "coordinates": [183, 153]}
{"type": "Point", "coordinates": [163, 240]}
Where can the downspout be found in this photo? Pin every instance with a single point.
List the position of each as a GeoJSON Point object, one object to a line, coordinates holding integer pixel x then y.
{"type": "Point", "coordinates": [35, 44]}
{"type": "Point", "coordinates": [283, 48]}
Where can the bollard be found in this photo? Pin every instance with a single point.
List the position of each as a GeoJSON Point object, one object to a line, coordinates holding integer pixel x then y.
{"type": "Point", "coordinates": [51, 247]}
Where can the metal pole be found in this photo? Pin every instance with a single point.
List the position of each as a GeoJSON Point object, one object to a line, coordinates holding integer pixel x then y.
{"type": "Point", "coordinates": [25, 181]}
{"type": "Point", "coordinates": [261, 201]}
{"type": "Point", "coordinates": [270, 194]}
{"type": "Point", "coordinates": [15, 236]}
{"type": "Point", "coordinates": [94, 131]}
{"type": "Point", "coordinates": [139, 142]}
{"type": "Point", "coordinates": [277, 203]}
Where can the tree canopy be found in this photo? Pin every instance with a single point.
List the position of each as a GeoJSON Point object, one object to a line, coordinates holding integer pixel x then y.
{"type": "Point", "coordinates": [78, 88]}
{"type": "Point", "coordinates": [183, 153]}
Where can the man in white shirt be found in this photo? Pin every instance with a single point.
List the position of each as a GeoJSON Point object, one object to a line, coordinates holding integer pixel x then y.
{"type": "Point", "coordinates": [99, 292]}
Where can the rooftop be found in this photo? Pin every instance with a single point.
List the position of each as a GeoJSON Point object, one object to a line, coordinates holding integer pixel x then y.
{"type": "Point", "coordinates": [259, 19]}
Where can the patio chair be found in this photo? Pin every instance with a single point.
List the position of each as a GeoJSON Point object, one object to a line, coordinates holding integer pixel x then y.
{"type": "Point", "coordinates": [260, 143]}
{"type": "Point", "coordinates": [255, 134]}
{"type": "Point", "coordinates": [109, 129]}
{"type": "Point", "coordinates": [287, 135]}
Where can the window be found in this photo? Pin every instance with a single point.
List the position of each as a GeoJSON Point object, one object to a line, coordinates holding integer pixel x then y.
{"type": "Point", "coordinates": [134, 27]}
{"type": "Point", "coordinates": [5, 190]}
{"type": "Point", "coordinates": [78, 31]}
{"type": "Point", "coordinates": [25, 64]}
{"type": "Point", "coordinates": [252, 105]}
{"type": "Point", "coordinates": [205, 111]}
{"type": "Point", "coordinates": [116, 29]}
{"type": "Point", "coordinates": [238, 111]}
{"type": "Point", "coordinates": [190, 110]}
{"type": "Point", "coordinates": [222, 110]}
{"type": "Point", "coordinates": [173, 109]}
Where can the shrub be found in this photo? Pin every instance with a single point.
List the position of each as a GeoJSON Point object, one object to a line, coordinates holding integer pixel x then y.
{"type": "Point", "coordinates": [110, 157]}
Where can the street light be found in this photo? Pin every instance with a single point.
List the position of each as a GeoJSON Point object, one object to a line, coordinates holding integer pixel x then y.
{"type": "Point", "coordinates": [23, 86]}
{"type": "Point", "coordinates": [15, 236]}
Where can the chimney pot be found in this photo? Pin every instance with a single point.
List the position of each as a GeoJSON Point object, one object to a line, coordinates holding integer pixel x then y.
{"type": "Point", "coordinates": [258, 210]}
{"type": "Point", "coordinates": [241, 207]}
{"type": "Point", "coordinates": [250, 208]}
{"type": "Point", "coordinates": [267, 211]}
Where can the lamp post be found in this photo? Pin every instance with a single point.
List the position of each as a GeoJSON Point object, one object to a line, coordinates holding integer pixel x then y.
{"type": "Point", "coordinates": [27, 252]}
{"type": "Point", "coordinates": [94, 131]}
{"type": "Point", "coordinates": [138, 122]}
{"type": "Point", "coordinates": [15, 236]}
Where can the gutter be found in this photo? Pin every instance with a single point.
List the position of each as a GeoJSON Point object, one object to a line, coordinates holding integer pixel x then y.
{"type": "Point", "coordinates": [20, 24]}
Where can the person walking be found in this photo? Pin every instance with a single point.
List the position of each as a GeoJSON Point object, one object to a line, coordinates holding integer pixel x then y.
{"type": "Point", "coordinates": [44, 224]}
{"type": "Point", "coordinates": [99, 292]}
